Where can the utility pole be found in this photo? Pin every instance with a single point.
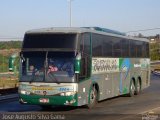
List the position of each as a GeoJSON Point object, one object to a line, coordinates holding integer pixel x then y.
{"type": "Point", "coordinates": [70, 12]}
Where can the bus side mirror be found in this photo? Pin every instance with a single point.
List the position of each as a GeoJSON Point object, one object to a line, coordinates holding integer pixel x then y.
{"type": "Point", "coordinates": [78, 64]}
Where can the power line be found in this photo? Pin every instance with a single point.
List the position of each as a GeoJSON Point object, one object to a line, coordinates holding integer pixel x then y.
{"type": "Point", "coordinates": [143, 30]}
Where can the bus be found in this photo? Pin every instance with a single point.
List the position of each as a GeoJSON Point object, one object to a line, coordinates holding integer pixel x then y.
{"type": "Point", "coordinates": [81, 66]}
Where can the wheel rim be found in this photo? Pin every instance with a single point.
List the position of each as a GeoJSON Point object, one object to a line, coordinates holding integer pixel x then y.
{"type": "Point", "coordinates": [132, 89]}
{"type": "Point", "coordinates": [92, 96]}
{"type": "Point", "coordinates": [138, 86]}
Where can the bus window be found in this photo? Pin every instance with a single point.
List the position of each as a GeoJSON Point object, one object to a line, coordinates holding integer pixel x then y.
{"type": "Point", "coordinates": [132, 49]}
{"type": "Point", "coordinates": [125, 47]}
{"type": "Point", "coordinates": [116, 47]}
{"type": "Point", "coordinates": [139, 49]}
{"type": "Point", "coordinates": [85, 68]}
{"type": "Point", "coordinates": [147, 50]}
{"type": "Point", "coordinates": [85, 43]}
{"type": "Point", "coordinates": [97, 42]}
{"type": "Point", "coordinates": [85, 56]}
{"type": "Point", "coordinates": [107, 47]}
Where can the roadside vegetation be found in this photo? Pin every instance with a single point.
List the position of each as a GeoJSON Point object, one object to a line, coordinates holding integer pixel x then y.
{"type": "Point", "coordinates": [8, 48]}
{"type": "Point", "coordinates": [155, 51]}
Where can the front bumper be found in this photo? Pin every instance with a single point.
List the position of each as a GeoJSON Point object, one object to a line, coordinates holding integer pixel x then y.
{"type": "Point", "coordinates": [53, 100]}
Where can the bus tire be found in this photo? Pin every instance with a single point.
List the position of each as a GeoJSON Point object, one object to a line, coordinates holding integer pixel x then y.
{"type": "Point", "coordinates": [132, 88]}
{"type": "Point", "coordinates": [138, 87]}
{"type": "Point", "coordinates": [92, 100]}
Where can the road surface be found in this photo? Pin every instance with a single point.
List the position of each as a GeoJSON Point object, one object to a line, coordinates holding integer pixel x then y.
{"type": "Point", "coordinates": [119, 108]}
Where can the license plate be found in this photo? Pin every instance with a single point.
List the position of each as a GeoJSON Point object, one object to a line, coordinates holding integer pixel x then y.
{"type": "Point", "coordinates": [44, 100]}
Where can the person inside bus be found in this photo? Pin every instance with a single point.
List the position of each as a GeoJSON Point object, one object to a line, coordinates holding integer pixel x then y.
{"type": "Point", "coordinates": [52, 68]}
{"type": "Point", "coordinates": [31, 70]}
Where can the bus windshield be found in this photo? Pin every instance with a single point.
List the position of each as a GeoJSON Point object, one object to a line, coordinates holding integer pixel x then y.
{"type": "Point", "coordinates": [56, 67]}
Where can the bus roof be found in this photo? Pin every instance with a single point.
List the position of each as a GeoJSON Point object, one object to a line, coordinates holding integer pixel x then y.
{"type": "Point", "coordinates": [75, 30]}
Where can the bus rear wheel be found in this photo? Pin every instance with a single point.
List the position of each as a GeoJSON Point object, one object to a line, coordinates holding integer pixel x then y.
{"type": "Point", "coordinates": [138, 87]}
{"type": "Point", "coordinates": [132, 89]}
{"type": "Point", "coordinates": [92, 98]}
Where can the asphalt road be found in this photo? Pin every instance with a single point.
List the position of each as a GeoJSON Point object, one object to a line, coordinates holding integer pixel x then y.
{"type": "Point", "coordinates": [119, 108]}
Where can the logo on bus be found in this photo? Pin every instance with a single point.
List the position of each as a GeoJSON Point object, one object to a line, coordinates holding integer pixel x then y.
{"type": "Point", "coordinates": [100, 65]}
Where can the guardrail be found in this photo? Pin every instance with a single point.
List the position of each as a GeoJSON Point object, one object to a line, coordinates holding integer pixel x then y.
{"type": "Point", "coordinates": [155, 67]}
{"type": "Point", "coordinates": [156, 73]}
{"type": "Point", "coordinates": [155, 62]}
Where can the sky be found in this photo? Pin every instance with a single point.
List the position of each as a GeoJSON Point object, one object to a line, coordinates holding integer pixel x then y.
{"type": "Point", "coordinates": [18, 16]}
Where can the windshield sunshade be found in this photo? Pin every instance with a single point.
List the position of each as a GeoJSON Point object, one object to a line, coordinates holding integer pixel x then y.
{"type": "Point", "coordinates": [57, 41]}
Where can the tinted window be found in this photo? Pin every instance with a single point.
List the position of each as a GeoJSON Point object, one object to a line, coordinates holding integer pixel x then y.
{"type": "Point", "coordinates": [125, 47]}
{"type": "Point", "coordinates": [147, 50]}
{"type": "Point", "coordinates": [139, 48]}
{"type": "Point", "coordinates": [85, 61]}
{"type": "Point", "coordinates": [97, 42]}
{"type": "Point", "coordinates": [132, 49]}
{"type": "Point", "coordinates": [50, 41]}
{"type": "Point", "coordinates": [85, 43]}
{"type": "Point", "coordinates": [144, 52]}
{"type": "Point", "coordinates": [107, 46]}
{"type": "Point", "coordinates": [116, 47]}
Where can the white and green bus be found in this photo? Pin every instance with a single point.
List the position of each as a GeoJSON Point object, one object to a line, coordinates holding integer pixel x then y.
{"type": "Point", "coordinates": [81, 66]}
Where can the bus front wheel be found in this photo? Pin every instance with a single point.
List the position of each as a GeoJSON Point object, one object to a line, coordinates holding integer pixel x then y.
{"type": "Point", "coordinates": [92, 98]}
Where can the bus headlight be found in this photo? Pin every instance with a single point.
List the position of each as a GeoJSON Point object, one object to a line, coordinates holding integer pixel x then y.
{"type": "Point", "coordinates": [24, 92]}
{"type": "Point", "coordinates": [67, 93]}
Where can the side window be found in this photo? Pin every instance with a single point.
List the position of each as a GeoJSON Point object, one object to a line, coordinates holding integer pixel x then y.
{"type": "Point", "coordinates": [125, 47]}
{"type": "Point", "coordinates": [85, 43]}
{"type": "Point", "coordinates": [85, 53]}
{"type": "Point", "coordinates": [139, 49]}
{"type": "Point", "coordinates": [97, 42]}
{"type": "Point", "coordinates": [84, 72]}
{"type": "Point", "coordinates": [116, 47]}
{"type": "Point", "coordinates": [107, 46]}
{"type": "Point", "coordinates": [132, 49]}
{"type": "Point", "coordinates": [147, 50]}
{"type": "Point", "coordinates": [144, 52]}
